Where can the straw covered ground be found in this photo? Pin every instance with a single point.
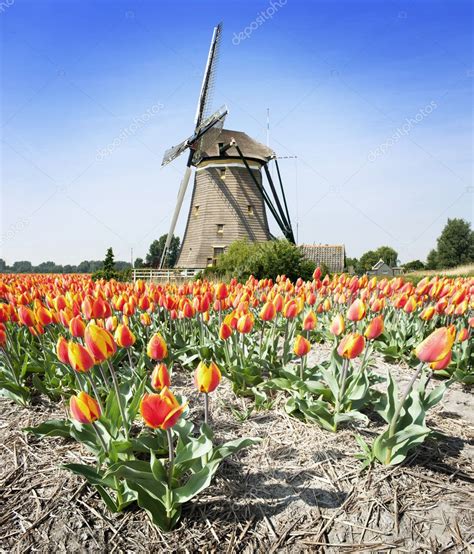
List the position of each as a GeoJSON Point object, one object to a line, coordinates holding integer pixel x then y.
{"type": "Point", "coordinates": [300, 490]}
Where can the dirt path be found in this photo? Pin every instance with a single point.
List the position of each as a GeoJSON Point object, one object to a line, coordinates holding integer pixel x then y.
{"type": "Point", "coordinates": [300, 490]}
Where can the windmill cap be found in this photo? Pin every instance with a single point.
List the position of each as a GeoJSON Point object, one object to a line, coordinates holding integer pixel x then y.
{"type": "Point", "coordinates": [250, 148]}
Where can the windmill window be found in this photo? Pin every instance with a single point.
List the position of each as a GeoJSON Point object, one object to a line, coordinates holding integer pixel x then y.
{"type": "Point", "coordinates": [220, 228]}
{"type": "Point", "coordinates": [249, 209]}
{"type": "Point", "coordinates": [222, 173]}
{"type": "Point", "coordinates": [221, 146]}
{"type": "Point", "coordinates": [209, 262]}
{"type": "Point", "coordinates": [196, 210]}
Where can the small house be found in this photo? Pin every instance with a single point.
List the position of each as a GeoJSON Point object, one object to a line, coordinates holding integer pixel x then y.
{"type": "Point", "coordinates": [383, 269]}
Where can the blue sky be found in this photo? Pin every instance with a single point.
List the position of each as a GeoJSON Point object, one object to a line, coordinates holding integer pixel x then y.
{"type": "Point", "coordinates": [374, 98]}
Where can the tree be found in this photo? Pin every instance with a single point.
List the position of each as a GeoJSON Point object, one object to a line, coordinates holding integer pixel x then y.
{"type": "Point", "coordinates": [432, 260]}
{"type": "Point", "coordinates": [109, 264]}
{"type": "Point", "coordinates": [139, 263]}
{"type": "Point", "coordinates": [263, 260]}
{"type": "Point", "coordinates": [3, 265]}
{"type": "Point", "coordinates": [415, 265]}
{"type": "Point", "coordinates": [351, 262]}
{"type": "Point", "coordinates": [455, 244]}
{"type": "Point", "coordinates": [370, 258]}
{"type": "Point", "coordinates": [153, 257]}
{"type": "Point", "coordinates": [22, 267]}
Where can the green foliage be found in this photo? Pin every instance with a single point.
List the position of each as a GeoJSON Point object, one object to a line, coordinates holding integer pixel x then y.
{"type": "Point", "coordinates": [155, 252]}
{"type": "Point", "coordinates": [109, 265]}
{"type": "Point", "coordinates": [455, 244]}
{"type": "Point", "coordinates": [139, 263]}
{"type": "Point", "coordinates": [432, 260]}
{"type": "Point", "coordinates": [263, 260]}
{"type": "Point", "coordinates": [86, 266]}
{"type": "Point", "coordinates": [415, 265]}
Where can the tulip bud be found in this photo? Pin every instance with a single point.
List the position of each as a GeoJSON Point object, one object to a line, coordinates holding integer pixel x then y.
{"type": "Point", "coordinates": [268, 311]}
{"type": "Point", "coordinates": [79, 358]}
{"type": "Point", "coordinates": [356, 310]}
{"type": "Point", "coordinates": [124, 337]}
{"type": "Point", "coordinates": [302, 346]}
{"type": "Point", "coordinates": [26, 316]}
{"type": "Point", "coordinates": [206, 378]}
{"type": "Point", "coordinates": [77, 326]}
{"type": "Point", "coordinates": [462, 335]}
{"type": "Point", "coordinates": [84, 408]}
{"type": "Point", "coordinates": [309, 321]}
{"type": "Point", "coordinates": [99, 342]}
{"type": "Point", "coordinates": [437, 345]}
{"type": "Point", "coordinates": [160, 378]}
{"type": "Point", "coordinates": [225, 331]}
{"type": "Point", "coordinates": [157, 348]}
{"type": "Point", "coordinates": [443, 363]}
{"type": "Point", "coordinates": [245, 323]}
{"type": "Point", "coordinates": [337, 325]}
{"type": "Point", "coordinates": [374, 328]}
{"type": "Point", "coordinates": [62, 350]}
{"type": "Point", "coordinates": [145, 319]}
{"type": "Point", "coordinates": [351, 346]}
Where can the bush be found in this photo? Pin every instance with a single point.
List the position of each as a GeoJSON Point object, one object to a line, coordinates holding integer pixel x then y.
{"type": "Point", "coordinates": [263, 260]}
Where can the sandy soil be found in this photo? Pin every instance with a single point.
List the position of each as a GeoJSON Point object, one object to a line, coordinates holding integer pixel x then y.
{"type": "Point", "coordinates": [300, 490]}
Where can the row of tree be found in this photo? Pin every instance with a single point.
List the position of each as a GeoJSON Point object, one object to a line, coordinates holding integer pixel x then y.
{"type": "Point", "coordinates": [455, 246]}
{"type": "Point", "coordinates": [152, 259]}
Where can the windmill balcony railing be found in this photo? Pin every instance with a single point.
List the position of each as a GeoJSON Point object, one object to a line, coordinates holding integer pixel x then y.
{"type": "Point", "coordinates": [164, 275]}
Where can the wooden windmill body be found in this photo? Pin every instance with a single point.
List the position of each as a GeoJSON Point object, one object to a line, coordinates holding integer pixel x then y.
{"type": "Point", "coordinates": [226, 203]}
{"type": "Point", "coordinates": [229, 200]}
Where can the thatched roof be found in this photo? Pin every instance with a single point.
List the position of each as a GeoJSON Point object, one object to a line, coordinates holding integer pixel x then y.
{"type": "Point", "coordinates": [250, 147]}
{"type": "Point", "coordinates": [332, 255]}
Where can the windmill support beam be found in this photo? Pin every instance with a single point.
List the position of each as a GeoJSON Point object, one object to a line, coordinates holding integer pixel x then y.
{"type": "Point", "coordinates": [266, 198]}
{"type": "Point", "coordinates": [283, 192]}
{"type": "Point", "coordinates": [284, 217]}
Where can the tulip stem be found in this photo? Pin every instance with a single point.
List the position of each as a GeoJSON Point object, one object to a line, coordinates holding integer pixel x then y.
{"type": "Point", "coordinates": [169, 435]}
{"type": "Point", "coordinates": [393, 423]}
{"type": "Point", "coordinates": [119, 398]}
{"type": "Point", "coordinates": [206, 408]}
{"type": "Point", "coordinates": [96, 393]}
{"type": "Point", "coordinates": [100, 437]}
{"type": "Point", "coordinates": [302, 367]}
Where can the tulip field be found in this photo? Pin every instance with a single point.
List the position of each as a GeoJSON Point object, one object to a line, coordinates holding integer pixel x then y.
{"type": "Point", "coordinates": [327, 415]}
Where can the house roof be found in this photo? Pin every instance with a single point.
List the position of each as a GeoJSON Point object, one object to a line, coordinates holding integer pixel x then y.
{"type": "Point", "coordinates": [330, 254]}
{"type": "Point", "coordinates": [378, 265]}
{"type": "Point", "coordinates": [250, 147]}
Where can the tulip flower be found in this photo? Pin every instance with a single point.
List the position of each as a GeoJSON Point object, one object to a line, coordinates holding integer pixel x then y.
{"type": "Point", "coordinates": [221, 291]}
{"type": "Point", "coordinates": [160, 378]}
{"type": "Point", "coordinates": [268, 311]}
{"type": "Point", "coordinates": [145, 319]}
{"type": "Point", "coordinates": [43, 316]}
{"type": "Point", "coordinates": [3, 337]}
{"type": "Point", "coordinates": [157, 349]}
{"type": "Point", "coordinates": [245, 323]}
{"type": "Point", "coordinates": [337, 326]}
{"type": "Point", "coordinates": [62, 350]}
{"type": "Point", "coordinates": [161, 411]}
{"type": "Point", "coordinates": [309, 321]}
{"type": "Point", "coordinates": [437, 345]}
{"type": "Point", "coordinates": [99, 342]}
{"type": "Point", "coordinates": [207, 377]}
{"type": "Point", "coordinates": [26, 316]}
{"type": "Point", "coordinates": [356, 310]}
{"type": "Point", "coordinates": [351, 346]}
{"type": "Point", "coordinates": [79, 358]}
{"type": "Point", "coordinates": [84, 408]}
{"type": "Point", "coordinates": [124, 337]}
{"type": "Point", "coordinates": [375, 328]}
{"type": "Point", "coordinates": [77, 326]}
{"type": "Point", "coordinates": [302, 346]}
{"type": "Point", "coordinates": [462, 335]}
{"type": "Point", "coordinates": [225, 331]}
{"type": "Point", "coordinates": [443, 363]}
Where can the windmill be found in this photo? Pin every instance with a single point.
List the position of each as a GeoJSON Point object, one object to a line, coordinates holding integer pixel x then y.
{"type": "Point", "coordinates": [228, 200]}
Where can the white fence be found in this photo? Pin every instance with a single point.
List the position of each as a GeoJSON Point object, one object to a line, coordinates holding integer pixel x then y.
{"type": "Point", "coordinates": [164, 275]}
